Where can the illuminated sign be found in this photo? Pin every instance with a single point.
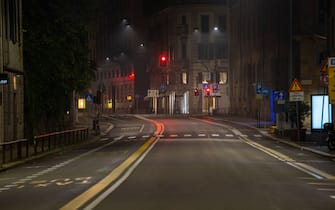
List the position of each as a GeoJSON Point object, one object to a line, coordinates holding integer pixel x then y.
{"type": "Point", "coordinates": [3, 79]}
{"type": "Point", "coordinates": [110, 104]}
{"type": "Point", "coordinates": [321, 111]}
{"type": "Point", "coordinates": [81, 103]}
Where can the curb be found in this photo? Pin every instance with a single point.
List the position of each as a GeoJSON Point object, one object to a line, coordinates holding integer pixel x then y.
{"type": "Point", "coordinates": [292, 144]}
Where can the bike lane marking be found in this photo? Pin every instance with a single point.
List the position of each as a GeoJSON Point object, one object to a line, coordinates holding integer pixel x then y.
{"type": "Point", "coordinates": [20, 182]}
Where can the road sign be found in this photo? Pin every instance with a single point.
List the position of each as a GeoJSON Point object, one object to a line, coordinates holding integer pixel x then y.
{"type": "Point", "coordinates": [215, 88]}
{"type": "Point", "coordinates": [331, 82]}
{"type": "Point", "coordinates": [89, 98]}
{"type": "Point", "coordinates": [4, 79]}
{"type": "Point", "coordinates": [153, 93]}
{"type": "Point", "coordinates": [279, 95]}
{"type": "Point", "coordinates": [331, 62]}
{"type": "Point", "coordinates": [324, 66]}
{"type": "Point", "coordinates": [296, 86]}
{"type": "Point", "coordinates": [258, 88]}
{"type": "Point", "coordinates": [323, 79]}
{"type": "Point", "coordinates": [205, 85]}
{"type": "Point", "coordinates": [297, 96]}
{"type": "Point", "coordinates": [264, 91]}
{"type": "Point", "coordinates": [296, 91]}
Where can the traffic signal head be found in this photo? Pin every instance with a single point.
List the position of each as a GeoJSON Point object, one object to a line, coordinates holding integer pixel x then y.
{"type": "Point", "coordinates": [162, 60]}
{"type": "Point", "coordinates": [131, 76]}
{"type": "Point", "coordinates": [196, 91]}
{"type": "Point", "coordinates": [208, 90]}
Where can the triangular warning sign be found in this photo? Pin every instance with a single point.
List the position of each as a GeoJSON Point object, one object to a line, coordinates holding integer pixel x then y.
{"type": "Point", "coordinates": [324, 66]}
{"type": "Point", "coordinates": [296, 86]}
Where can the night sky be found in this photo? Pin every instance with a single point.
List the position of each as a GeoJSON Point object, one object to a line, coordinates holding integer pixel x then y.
{"type": "Point", "coordinates": [154, 6]}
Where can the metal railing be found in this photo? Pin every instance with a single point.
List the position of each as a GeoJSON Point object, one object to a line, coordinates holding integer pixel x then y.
{"type": "Point", "coordinates": [24, 148]}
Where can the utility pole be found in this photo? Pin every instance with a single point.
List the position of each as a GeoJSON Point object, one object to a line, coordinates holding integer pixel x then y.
{"type": "Point", "coordinates": [1, 71]}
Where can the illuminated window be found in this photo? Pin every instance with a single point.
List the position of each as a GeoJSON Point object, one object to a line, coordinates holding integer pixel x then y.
{"type": "Point", "coordinates": [184, 78]}
{"type": "Point", "coordinates": [223, 77]}
{"type": "Point", "coordinates": [206, 76]}
{"type": "Point", "coordinates": [14, 83]}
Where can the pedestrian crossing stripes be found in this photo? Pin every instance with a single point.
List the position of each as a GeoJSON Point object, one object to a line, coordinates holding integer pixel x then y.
{"type": "Point", "coordinates": [212, 135]}
{"type": "Point", "coordinates": [182, 135]}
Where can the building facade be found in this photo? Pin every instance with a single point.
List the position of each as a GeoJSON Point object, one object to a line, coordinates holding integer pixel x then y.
{"type": "Point", "coordinates": [117, 45]}
{"type": "Point", "coordinates": [195, 40]}
{"type": "Point", "coordinates": [260, 36]}
{"type": "Point", "coordinates": [274, 43]}
{"type": "Point", "coordinates": [116, 83]}
{"type": "Point", "coordinates": [11, 70]}
{"type": "Point", "coordinates": [258, 48]}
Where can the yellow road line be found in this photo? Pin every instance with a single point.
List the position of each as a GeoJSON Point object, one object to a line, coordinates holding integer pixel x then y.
{"type": "Point", "coordinates": [80, 200]}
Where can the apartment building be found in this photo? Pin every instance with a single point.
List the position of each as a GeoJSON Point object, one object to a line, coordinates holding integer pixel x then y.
{"type": "Point", "coordinates": [118, 48]}
{"type": "Point", "coordinates": [11, 71]}
{"type": "Point", "coordinates": [274, 43]}
{"type": "Point", "coordinates": [195, 40]}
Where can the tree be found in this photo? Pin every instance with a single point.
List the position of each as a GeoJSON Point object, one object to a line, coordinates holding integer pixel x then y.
{"type": "Point", "coordinates": [55, 59]}
{"type": "Point", "coordinates": [303, 112]}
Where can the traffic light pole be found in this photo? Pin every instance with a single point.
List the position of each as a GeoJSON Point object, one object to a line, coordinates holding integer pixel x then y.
{"type": "Point", "coordinates": [208, 104]}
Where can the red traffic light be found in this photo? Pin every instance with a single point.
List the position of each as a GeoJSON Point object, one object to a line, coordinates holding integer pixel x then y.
{"type": "Point", "coordinates": [208, 90]}
{"type": "Point", "coordinates": [196, 91]}
{"type": "Point", "coordinates": [162, 60]}
{"type": "Point", "coordinates": [131, 76]}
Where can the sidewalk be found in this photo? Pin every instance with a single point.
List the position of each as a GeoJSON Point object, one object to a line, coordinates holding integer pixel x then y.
{"type": "Point", "coordinates": [86, 120]}
{"type": "Point", "coordinates": [314, 141]}
{"type": "Point", "coordinates": [83, 122]}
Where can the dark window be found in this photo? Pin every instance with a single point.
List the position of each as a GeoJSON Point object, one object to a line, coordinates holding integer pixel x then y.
{"type": "Point", "coordinates": [212, 51]}
{"type": "Point", "coordinates": [183, 50]}
{"type": "Point", "coordinates": [12, 21]}
{"type": "Point", "coordinates": [183, 20]}
{"type": "Point", "coordinates": [200, 77]}
{"type": "Point", "coordinates": [202, 51]}
{"type": "Point", "coordinates": [221, 50]}
{"type": "Point", "coordinates": [6, 18]}
{"type": "Point", "coordinates": [222, 22]}
{"type": "Point", "coordinates": [204, 23]}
